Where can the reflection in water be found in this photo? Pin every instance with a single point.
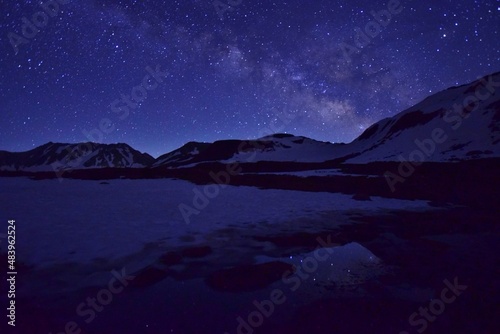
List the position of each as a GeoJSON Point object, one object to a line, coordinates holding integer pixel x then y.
{"type": "Point", "coordinates": [342, 268]}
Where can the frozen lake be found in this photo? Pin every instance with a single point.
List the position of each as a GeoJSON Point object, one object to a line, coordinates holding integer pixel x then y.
{"type": "Point", "coordinates": [240, 248]}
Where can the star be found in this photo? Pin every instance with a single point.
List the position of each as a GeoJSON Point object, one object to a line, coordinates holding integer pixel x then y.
{"type": "Point", "coordinates": [326, 70]}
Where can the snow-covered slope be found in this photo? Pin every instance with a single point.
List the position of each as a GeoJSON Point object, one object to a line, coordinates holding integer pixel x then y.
{"type": "Point", "coordinates": [285, 147]}
{"type": "Point", "coordinates": [183, 155]}
{"type": "Point", "coordinates": [277, 147]}
{"type": "Point", "coordinates": [56, 156]}
{"type": "Point", "coordinates": [460, 123]}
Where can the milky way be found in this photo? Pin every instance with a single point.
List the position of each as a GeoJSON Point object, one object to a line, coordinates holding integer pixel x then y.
{"type": "Point", "coordinates": [157, 74]}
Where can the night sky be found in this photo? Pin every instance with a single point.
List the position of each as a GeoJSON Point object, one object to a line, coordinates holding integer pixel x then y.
{"type": "Point", "coordinates": [321, 69]}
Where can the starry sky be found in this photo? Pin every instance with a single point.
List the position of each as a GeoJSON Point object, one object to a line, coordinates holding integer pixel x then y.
{"type": "Point", "coordinates": [157, 74]}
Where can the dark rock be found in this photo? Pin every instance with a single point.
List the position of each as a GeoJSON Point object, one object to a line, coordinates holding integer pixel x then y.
{"type": "Point", "coordinates": [248, 277]}
{"type": "Point", "coordinates": [195, 252]}
{"type": "Point", "coordinates": [149, 276]}
{"type": "Point", "coordinates": [171, 258]}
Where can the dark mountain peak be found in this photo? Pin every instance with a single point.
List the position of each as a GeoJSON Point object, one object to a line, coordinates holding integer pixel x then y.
{"type": "Point", "coordinates": [282, 135]}
{"type": "Point", "coordinates": [184, 154]}
{"type": "Point", "coordinates": [54, 156]}
{"type": "Point", "coordinates": [194, 144]}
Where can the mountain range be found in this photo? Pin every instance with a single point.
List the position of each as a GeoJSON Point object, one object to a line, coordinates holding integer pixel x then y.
{"type": "Point", "coordinates": [457, 124]}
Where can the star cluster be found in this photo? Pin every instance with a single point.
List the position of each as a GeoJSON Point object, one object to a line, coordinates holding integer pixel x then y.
{"type": "Point", "coordinates": [157, 74]}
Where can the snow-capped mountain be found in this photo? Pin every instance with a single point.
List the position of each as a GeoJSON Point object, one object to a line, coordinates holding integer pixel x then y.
{"type": "Point", "coordinates": [460, 123]}
{"type": "Point", "coordinates": [57, 156]}
{"type": "Point", "coordinates": [277, 147]}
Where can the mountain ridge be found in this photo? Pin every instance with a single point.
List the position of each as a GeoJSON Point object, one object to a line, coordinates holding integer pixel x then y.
{"type": "Point", "coordinates": [54, 156]}
{"type": "Point", "coordinates": [467, 117]}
